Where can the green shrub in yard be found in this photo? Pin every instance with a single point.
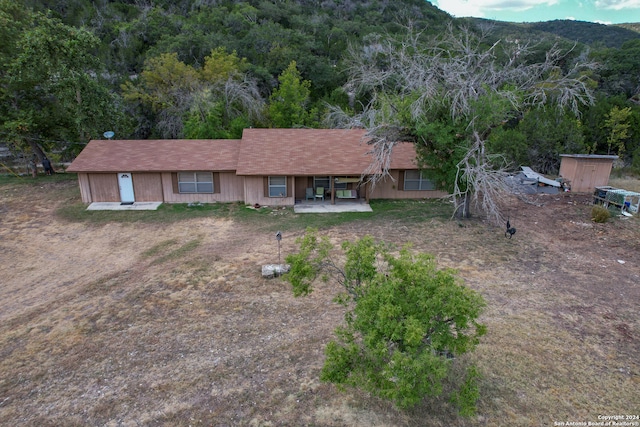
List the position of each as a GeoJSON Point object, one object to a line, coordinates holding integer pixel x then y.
{"type": "Point", "coordinates": [600, 214]}
{"type": "Point", "coordinates": [405, 322]}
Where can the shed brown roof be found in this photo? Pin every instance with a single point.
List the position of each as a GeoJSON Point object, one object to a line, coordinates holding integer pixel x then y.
{"type": "Point", "coordinates": [158, 155]}
{"type": "Point", "coordinates": [312, 152]}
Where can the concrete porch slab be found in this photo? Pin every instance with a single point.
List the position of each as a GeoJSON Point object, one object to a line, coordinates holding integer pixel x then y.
{"type": "Point", "coordinates": [116, 206]}
{"type": "Point", "coordinates": [320, 207]}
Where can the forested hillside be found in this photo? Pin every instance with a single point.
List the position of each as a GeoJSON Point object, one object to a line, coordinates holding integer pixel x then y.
{"type": "Point", "coordinates": [209, 68]}
{"type": "Point", "coordinates": [269, 34]}
{"type": "Point", "coordinates": [633, 26]}
{"type": "Point", "coordinates": [588, 32]}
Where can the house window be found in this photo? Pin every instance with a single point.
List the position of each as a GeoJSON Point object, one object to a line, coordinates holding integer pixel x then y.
{"type": "Point", "coordinates": [415, 180]}
{"type": "Point", "coordinates": [321, 181]}
{"type": "Point", "coordinates": [339, 185]}
{"type": "Point", "coordinates": [195, 182]}
{"type": "Point", "coordinates": [277, 186]}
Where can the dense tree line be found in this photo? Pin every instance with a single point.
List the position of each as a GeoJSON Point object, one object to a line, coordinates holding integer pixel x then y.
{"type": "Point", "coordinates": [208, 68]}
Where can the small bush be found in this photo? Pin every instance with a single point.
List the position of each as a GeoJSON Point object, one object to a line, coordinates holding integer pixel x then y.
{"type": "Point", "coordinates": [600, 214]}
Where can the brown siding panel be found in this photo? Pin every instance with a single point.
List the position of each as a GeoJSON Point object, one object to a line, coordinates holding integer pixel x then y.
{"type": "Point", "coordinates": [174, 183]}
{"type": "Point", "coordinates": [216, 183]}
{"type": "Point", "coordinates": [229, 189]}
{"type": "Point", "coordinates": [147, 187]}
{"type": "Point", "coordinates": [586, 172]}
{"type": "Point", "coordinates": [85, 189]}
{"type": "Point", "coordinates": [104, 187]}
{"type": "Point", "coordinates": [255, 193]}
{"type": "Point", "coordinates": [389, 189]}
{"type": "Point", "coordinates": [301, 183]}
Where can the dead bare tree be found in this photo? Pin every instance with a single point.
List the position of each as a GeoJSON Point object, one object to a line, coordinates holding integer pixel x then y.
{"type": "Point", "coordinates": [242, 96]}
{"type": "Point", "coordinates": [407, 80]}
{"type": "Point", "coordinates": [486, 184]}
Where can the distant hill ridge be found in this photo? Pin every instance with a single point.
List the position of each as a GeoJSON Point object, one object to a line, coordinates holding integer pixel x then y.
{"type": "Point", "coordinates": [589, 33]}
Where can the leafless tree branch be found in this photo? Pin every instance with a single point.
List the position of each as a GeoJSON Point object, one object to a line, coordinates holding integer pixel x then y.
{"type": "Point", "coordinates": [409, 77]}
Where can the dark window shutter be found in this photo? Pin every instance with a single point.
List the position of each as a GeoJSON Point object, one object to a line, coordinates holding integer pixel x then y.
{"type": "Point", "coordinates": [289, 186]}
{"type": "Point", "coordinates": [216, 182]}
{"type": "Point", "coordinates": [174, 182]}
{"type": "Point", "coordinates": [401, 181]}
{"type": "Point", "coordinates": [265, 181]}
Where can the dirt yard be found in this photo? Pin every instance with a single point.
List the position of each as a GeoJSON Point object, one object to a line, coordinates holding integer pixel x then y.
{"type": "Point", "coordinates": [172, 324]}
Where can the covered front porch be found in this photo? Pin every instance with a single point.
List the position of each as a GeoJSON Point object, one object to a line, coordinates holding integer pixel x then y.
{"type": "Point", "coordinates": [336, 190]}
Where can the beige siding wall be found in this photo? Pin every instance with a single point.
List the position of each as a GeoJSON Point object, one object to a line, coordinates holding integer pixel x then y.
{"type": "Point", "coordinates": [85, 189]}
{"type": "Point", "coordinates": [568, 166]}
{"type": "Point", "coordinates": [147, 187]}
{"type": "Point", "coordinates": [302, 183]}
{"type": "Point", "coordinates": [231, 187]}
{"type": "Point", "coordinates": [254, 192]}
{"type": "Point", "coordinates": [104, 187]}
{"type": "Point", "coordinates": [585, 174]}
{"type": "Point", "coordinates": [596, 174]}
{"type": "Point", "coordinates": [231, 190]}
{"type": "Point", "coordinates": [388, 189]}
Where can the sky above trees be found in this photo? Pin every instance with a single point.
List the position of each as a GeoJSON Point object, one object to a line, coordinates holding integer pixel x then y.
{"type": "Point", "coordinates": [601, 11]}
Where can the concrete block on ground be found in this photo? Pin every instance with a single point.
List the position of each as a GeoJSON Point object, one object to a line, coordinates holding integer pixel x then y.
{"type": "Point", "coordinates": [274, 270]}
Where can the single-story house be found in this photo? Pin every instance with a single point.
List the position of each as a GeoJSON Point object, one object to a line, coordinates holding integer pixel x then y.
{"type": "Point", "coordinates": [585, 172]}
{"type": "Point", "coordinates": [265, 167]}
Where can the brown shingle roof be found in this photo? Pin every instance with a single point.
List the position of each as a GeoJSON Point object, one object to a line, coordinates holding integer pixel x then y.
{"type": "Point", "coordinates": [311, 152]}
{"type": "Point", "coordinates": [404, 156]}
{"type": "Point", "coordinates": [260, 152]}
{"type": "Point", "coordinates": [161, 155]}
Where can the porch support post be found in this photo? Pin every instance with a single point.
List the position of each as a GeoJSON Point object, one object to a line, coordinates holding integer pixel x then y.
{"type": "Point", "coordinates": [333, 191]}
{"type": "Point", "coordinates": [366, 192]}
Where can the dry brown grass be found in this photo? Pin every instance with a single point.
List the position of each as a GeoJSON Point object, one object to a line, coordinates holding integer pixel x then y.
{"type": "Point", "coordinates": [172, 324]}
{"type": "Point", "coordinates": [626, 183]}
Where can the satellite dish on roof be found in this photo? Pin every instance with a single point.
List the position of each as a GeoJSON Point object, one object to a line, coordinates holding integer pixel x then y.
{"type": "Point", "coordinates": [109, 134]}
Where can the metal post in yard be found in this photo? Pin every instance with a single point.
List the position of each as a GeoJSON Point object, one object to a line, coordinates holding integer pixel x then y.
{"type": "Point", "coordinates": [278, 238]}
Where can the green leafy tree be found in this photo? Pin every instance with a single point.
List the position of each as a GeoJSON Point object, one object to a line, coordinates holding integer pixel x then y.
{"type": "Point", "coordinates": [538, 139]}
{"type": "Point", "coordinates": [620, 71]}
{"type": "Point", "coordinates": [134, 38]}
{"type": "Point", "coordinates": [513, 144]}
{"type": "Point", "coordinates": [211, 102]}
{"type": "Point", "coordinates": [406, 320]}
{"type": "Point", "coordinates": [211, 122]}
{"type": "Point", "coordinates": [633, 145]}
{"type": "Point", "coordinates": [52, 95]}
{"type": "Point", "coordinates": [219, 66]}
{"type": "Point", "coordinates": [230, 102]}
{"type": "Point", "coordinates": [592, 120]}
{"type": "Point", "coordinates": [288, 103]}
{"type": "Point", "coordinates": [167, 88]}
{"type": "Point", "coordinates": [617, 124]}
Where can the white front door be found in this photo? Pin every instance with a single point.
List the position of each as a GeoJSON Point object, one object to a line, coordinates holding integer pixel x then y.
{"type": "Point", "coordinates": [125, 182]}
